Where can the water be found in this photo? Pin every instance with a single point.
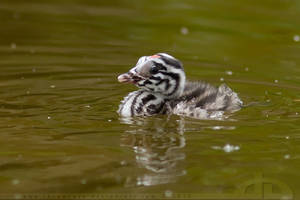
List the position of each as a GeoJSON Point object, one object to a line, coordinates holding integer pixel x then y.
{"type": "Point", "coordinates": [60, 132]}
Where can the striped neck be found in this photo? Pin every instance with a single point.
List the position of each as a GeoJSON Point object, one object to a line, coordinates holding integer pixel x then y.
{"type": "Point", "coordinates": [142, 103]}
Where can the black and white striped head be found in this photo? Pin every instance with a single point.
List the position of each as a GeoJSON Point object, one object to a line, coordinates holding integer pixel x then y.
{"type": "Point", "coordinates": [159, 73]}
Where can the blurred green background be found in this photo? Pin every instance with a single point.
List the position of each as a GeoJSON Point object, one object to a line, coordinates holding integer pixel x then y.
{"type": "Point", "coordinates": [59, 130]}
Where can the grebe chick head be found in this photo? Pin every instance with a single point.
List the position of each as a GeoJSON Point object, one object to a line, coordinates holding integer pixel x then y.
{"type": "Point", "coordinates": [160, 73]}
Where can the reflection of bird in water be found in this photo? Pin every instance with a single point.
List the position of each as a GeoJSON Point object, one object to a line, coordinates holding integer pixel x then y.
{"type": "Point", "coordinates": [159, 151]}
{"type": "Point", "coordinates": [163, 89]}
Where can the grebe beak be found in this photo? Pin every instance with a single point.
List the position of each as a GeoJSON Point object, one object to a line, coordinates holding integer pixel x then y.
{"type": "Point", "coordinates": [124, 78]}
{"type": "Point", "coordinates": [130, 78]}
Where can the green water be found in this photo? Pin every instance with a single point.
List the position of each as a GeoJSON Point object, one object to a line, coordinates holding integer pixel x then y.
{"type": "Point", "coordinates": [59, 130]}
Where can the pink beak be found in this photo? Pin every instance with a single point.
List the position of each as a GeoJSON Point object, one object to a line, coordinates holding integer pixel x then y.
{"type": "Point", "coordinates": [125, 78]}
{"type": "Point", "coordinates": [129, 78]}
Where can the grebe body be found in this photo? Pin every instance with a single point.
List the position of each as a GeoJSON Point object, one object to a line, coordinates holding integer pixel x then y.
{"type": "Point", "coordinates": [163, 89]}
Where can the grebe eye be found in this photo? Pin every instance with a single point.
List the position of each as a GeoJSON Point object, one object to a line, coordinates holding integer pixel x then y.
{"type": "Point", "coordinates": [154, 70]}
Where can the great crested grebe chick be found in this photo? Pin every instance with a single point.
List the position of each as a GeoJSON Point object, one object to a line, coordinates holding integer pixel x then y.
{"type": "Point", "coordinates": [164, 89]}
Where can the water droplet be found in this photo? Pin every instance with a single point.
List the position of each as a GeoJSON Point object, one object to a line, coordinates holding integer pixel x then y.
{"type": "Point", "coordinates": [52, 86]}
{"type": "Point", "coordinates": [123, 162]}
{"type": "Point", "coordinates": [229, 73]}
{"type": "Point", "coordinates": [48, 117]}
{"type": "Point", "coordinates": [216, 127]}
{"type": "Point", "coordinates": [13, 45]}
{"type": "Point", "coordinates": [296, 38]}
{"type": "Point", "coordinates": [87, 106]}
{"type": "Point", "coordinates": [275, 81]}
{"type": "Point", "coordinates": [168, 193]}
{"type": "Point", "coordinates": [109, 120]}
{"type": "Point", "coordinates": [287, 137]}
{"type": "Point", "coordinates": [222, 127]}
{"type": "Point", "coordinates": [15, 182]}
{"type": "Point", "coordinates": [221, 79]}
{"type": "Point", "coordinates": [184, 30]}
{"type": "Point", "coordinates": [216, 147]}
{"type": "Point", "coordinates": [229, 148]}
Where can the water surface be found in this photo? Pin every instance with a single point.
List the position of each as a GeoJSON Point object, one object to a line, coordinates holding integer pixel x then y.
{"type": "Point", "coordinates": [59, 130]}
